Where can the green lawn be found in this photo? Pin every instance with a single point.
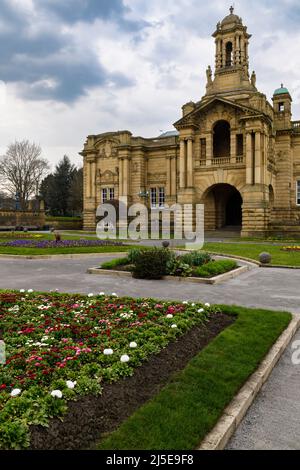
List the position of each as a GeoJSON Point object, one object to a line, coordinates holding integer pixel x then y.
{"type": "Point", "coordinates": [62, 251]}
{"type": "Point", "coordinates": [186, 409]}
{"type": "Point", "coordinates": [253, 251]}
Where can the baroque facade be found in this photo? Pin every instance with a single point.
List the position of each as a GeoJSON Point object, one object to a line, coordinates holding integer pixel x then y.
{"type": "Point", "coordinates": [233, 151]}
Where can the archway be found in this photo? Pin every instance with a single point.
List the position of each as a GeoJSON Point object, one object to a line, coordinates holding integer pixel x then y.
{"type": "Point", "coordinates": [223, 207]}
{"type": "Point", "coordinates": [221, 133]}
{"type": "Point", "coordinates": [229, 51]}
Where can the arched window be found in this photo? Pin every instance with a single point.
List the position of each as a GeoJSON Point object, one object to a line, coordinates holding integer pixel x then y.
{"type": "Point", "coordinates": [221, 139]}
{"type": "Point", "coordinates": [229, 54]}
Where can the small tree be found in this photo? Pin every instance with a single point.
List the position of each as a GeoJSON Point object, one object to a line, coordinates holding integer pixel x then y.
{"type": "Point", "coordinates": [22, 169]}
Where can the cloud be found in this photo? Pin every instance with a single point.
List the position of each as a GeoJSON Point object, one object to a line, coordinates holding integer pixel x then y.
{"type": "Point", "coordinates": [40, 52]}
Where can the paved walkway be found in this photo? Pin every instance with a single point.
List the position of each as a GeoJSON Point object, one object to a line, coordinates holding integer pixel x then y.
{"type": "Point", "coordinates": [273, 421]}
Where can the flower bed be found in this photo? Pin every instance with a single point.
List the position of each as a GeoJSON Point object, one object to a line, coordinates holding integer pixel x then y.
{"type": "Point", "coordinates": [291, 248]}
{"type": "Point", "coordinates": [63, 347]}
{"type": "Point", "coordinates": [42, 244]}
{"type": "Point", "coordinates": [192, 264]}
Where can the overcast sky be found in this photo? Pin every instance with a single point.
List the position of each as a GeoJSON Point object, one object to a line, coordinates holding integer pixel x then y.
{"type": "Point", "coordinates": [69, 68]}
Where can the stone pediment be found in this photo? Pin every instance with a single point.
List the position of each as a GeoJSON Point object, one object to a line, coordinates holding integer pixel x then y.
{"type": "Point", "coordinates": [106, 148]}
{"type": "Point", "coordinates": [202, 109]}
{"type": "Point", "coordinates": [107, 177]}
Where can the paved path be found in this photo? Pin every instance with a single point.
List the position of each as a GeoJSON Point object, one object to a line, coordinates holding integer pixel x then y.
{"type": "Point", "coordinates": [267, 288]}
{"type": "Point", "coordinates": [273, 421]}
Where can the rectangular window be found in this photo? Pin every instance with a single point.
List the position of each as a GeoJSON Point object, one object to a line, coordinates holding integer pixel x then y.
{"type": "Point", "coordinates": [161, 197]}
{"type": "Point", "coordinates": [239, 145]}
{"type": "Point", "coordinates": [298, 193]}
{"type": "Point", "coordinates": [203, 149]}
{"type": "Point", "coordinates": [281, 107]}
{"type": "Point", "coordinates": [153, 195]}
{"type": "Point", "coordinates": [104, 195]}
{"type": "Point", "coordinates": [111, 193]}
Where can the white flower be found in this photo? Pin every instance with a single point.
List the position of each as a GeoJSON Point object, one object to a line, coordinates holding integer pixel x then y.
{"type": "Point", "coordinates": [90, 295]}
{"type": "Point", "coordinates": [125, 358]}
{"type": "Point", "coordinates": [174, 326]}
{"type": "Point", "coordinates": [133, 345]}
{"type": "Point", "coordinates": [56, 394]}
{"type": "Point", "coordinates": [108, 352]}
{"type": "Point", "coordinates": [170, 315]}
{"type": "Point", "coordinates": [193, 305]}
{"type": "Point", "coordinates": [114, 294]}
{"type": "Point", "coordinates": [102, 293]}
{"type": "Point", "coordinates": [207, 305]}
{"type": "Point", "coordinates": [22, 291]}
{"type": "Point", "coordinates": [15, 392]}
{"type": "Point", "coordinates": [30, 291]}
{"type": "Point", "coordinates": [201, 310]}
{"type": "Point", "coordinates": [70, 384]}
{"type": "Point", "coordinates": [185, 302]}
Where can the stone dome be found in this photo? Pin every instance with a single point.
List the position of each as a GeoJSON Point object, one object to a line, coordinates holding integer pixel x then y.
{"type": "Point", "coordinates": [281, 91]}
{"type": "Point", "coordinates": [231, 19]}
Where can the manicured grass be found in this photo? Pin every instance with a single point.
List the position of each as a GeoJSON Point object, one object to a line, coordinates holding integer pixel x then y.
{"type": "Point", "coordinates": [62, 251]}
{"type": "Point", "coordinates": [114, 263]}
{"type": "Point", "coordinates": [182, 414]}
{"type": "Point", "coordinates": [213, 268]}
{"type": "Point", "coordinates": [253, 251]}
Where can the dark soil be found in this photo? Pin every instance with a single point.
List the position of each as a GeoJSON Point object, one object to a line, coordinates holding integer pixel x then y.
{"type": "Point", "coordinates": [91, 418]}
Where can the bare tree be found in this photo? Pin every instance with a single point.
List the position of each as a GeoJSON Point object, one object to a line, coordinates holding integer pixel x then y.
{"type": "Point", "coordinates": [22, 169]}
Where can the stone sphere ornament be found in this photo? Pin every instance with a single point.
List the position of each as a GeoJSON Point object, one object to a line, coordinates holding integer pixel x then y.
{"type": "Point", "coordinates": [165, 244]}
{"type": "Point", "coordinates": [265, 258]}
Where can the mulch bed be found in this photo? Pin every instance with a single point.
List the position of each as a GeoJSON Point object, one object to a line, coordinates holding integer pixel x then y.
{"type": "Point", "coordinates": [91, 418]}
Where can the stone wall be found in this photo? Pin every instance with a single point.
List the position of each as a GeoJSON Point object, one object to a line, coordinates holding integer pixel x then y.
{"type": "Point", "coordinates": [13, 219]}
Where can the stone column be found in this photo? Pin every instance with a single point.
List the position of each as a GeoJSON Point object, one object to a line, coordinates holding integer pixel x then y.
{"type": "Point", "coordinates": [93, 179]}
{"type": "Point", "coordinates": [242, 50]}
{"type": "Point", "coordinates": [169, 177]}
{"type": "Point", "coordinates": [209, 148]}
{"type": "Point", "coordinates": [190, 162]}
{"type": "Point", "coordinates": [249, 158]}
{"type": "Point", "coordinates": [121, 177]}
{"type": "Point", "coordinates": [223, 55]}
{"type": "Point", "coordinates": [258, 159]}
{"type": "Point", "coordinates": [88, 178]}
{"type": "Point", "coordinates": [125, 176]}
{"type": "Point", "coordinates": [173, 176]}
{"type": "Point", "coordinates": [232, 147]}
{"type": "Point", "coordinates": [182, 164]}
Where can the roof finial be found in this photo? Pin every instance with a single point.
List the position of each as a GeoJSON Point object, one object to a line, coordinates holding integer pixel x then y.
{"type": "Point", "coordinates": [231, 9]}
{"type": "Point", "coordinates": [282, 85]}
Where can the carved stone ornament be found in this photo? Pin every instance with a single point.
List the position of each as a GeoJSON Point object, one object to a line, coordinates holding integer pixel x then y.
{"type": "Point", "coordinates": [107, 149]}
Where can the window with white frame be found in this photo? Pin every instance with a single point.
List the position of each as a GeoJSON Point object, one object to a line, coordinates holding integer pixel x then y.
{"type": "Point", "coordinates": [161, 197]}
{"type": "Point", "coordinates": [157, 197]}
{"type": "Point", "coordinates": [107, 194]}
{"type": "Point", "coordinates": [298, 193]}
{"type": "Point", "coordinates": [153, 197]}
{"type": "Point", "coordinates": [104, 195]}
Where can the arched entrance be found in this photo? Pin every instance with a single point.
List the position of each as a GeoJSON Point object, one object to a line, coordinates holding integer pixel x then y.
{"type": "Point", "coordinates": [223, 207]}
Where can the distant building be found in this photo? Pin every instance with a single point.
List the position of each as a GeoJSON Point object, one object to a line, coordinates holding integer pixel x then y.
{"type": "Point", "coordinates": [233, 151]}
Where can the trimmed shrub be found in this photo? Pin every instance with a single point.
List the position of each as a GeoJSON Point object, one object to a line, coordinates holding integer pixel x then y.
{"type": "Point", "coordinates": [151, 264]}
{"type": "Point", "coordinates": [213, 268]}
{"type": "Point", "coordinates": [196, 258]}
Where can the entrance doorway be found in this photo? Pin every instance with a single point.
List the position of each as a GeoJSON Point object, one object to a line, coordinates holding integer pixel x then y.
{"type": "Point", "coordinates": [223, 207]}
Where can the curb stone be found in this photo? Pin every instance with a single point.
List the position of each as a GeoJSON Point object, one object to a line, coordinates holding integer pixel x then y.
{"type": "Point", "coordinates": [65, 256]}
{"type": "Point", "coordinates": [238, 407]}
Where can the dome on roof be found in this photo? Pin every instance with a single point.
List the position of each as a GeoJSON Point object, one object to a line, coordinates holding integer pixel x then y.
{"type": "Point", "coordinates": [231, 19]}
{"type": "Point", "coordinates": [281, 91]}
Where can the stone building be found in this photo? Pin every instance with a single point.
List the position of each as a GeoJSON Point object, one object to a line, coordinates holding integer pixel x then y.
{"type": "Point", "coordinates": [233, 150]}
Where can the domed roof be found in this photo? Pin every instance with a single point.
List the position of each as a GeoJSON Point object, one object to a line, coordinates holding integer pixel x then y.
{"type": "Point", "coordinates": [281, 91]}
{"type": "Point", "coordinates": [231, 19]}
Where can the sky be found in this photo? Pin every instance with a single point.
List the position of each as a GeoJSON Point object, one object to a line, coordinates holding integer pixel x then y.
{"type": "Point", "coordinates": [77, 67]}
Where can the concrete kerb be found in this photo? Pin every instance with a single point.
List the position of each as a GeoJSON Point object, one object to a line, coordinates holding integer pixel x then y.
{"type": "Point", "coordinates": [65, 256]}
{"type": "Point", "coordinates": [196, 280]}
{"type": "Point", "coordinates": [238, 407]}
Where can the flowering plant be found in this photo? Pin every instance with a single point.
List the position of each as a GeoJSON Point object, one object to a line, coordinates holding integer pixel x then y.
{"type": "Point", "coordinates": [22, 243]}
{"type": "Point", "coordinates": [61, 346]}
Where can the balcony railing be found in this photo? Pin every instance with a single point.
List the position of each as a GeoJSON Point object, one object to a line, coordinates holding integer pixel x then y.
{"type": "Point", "coordinates": [221, 161]}
{"type": "Point", "coordinates": [296, 126]}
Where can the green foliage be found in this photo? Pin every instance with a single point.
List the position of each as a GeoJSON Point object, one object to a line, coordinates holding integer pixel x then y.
{"type": "Point", "coordinates": [196, 258]}
{"type": "Point", "coordinates": [133, 255]}
{"type": "Point", "coordinates": [151, 264]}
{"type": "Point", "coordinates": [114, 263]}
{"type": "Point", "coordinates": [14, 435]}
{"type": "Point", "coordinates": [176, 267]}
{"type": "Point", "coordinates": [213, 268]}
{"type": "Point", "coordinates": [186, 409]}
